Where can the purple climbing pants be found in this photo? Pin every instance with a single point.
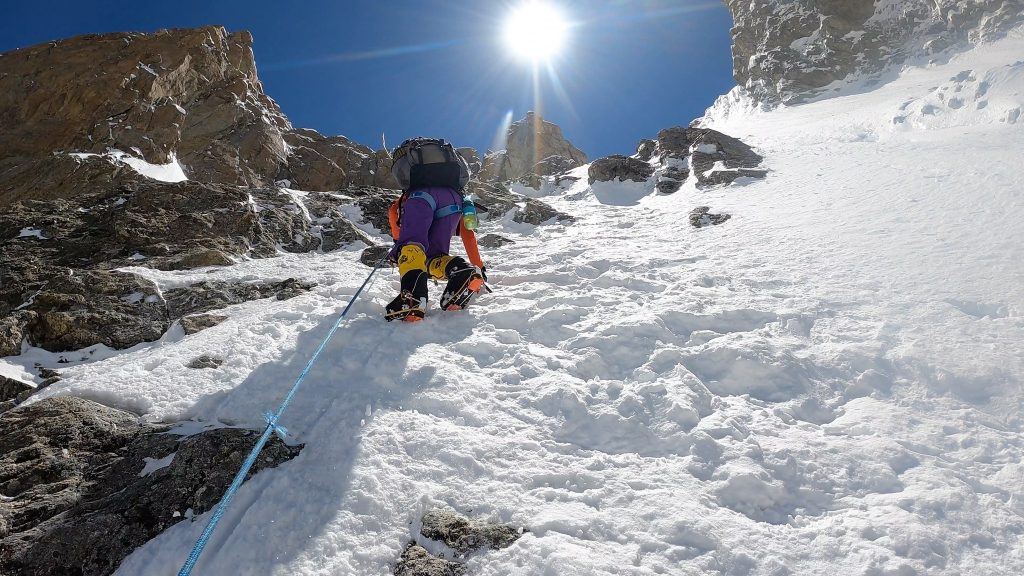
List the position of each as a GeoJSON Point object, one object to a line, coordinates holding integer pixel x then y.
{"type": "Point", "coordinates": [418, 225]}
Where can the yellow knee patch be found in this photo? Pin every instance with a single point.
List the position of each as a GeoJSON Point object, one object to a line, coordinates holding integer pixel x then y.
{"type": "Point", "coordinates": [438, 265]}
{"type": "Point", "coordinates": [411, 257]}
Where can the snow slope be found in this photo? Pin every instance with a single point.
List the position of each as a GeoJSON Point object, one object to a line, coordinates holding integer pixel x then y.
{"type": "Point", "coordinates": [828, 383]}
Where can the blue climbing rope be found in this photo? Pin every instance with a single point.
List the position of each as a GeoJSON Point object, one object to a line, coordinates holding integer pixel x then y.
{"type": "Point", "coordinates": [272, 419]}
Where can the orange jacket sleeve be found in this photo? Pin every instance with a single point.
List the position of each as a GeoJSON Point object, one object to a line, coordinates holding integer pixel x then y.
{"type": "Point", "coordinates": [393, 219]}
{"type": "Point", "coordinates": [472, 250]}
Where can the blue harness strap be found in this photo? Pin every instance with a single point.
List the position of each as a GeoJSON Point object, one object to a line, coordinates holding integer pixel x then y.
{"type": "Point", "coordinates": [447, 211]}
{"type": "Point", "coordinates": [438, 212]}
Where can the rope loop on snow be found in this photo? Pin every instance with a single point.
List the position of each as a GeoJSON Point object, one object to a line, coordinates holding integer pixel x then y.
{"type": "Point", "coordinates": [272, 419]}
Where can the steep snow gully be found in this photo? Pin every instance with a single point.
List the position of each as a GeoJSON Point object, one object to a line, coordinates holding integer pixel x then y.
{"type": "Point", "coordinates": [828, 383]}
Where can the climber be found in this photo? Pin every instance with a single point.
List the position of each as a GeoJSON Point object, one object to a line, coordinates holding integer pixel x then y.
{"type": "Point", "coordinates": [423, 220]}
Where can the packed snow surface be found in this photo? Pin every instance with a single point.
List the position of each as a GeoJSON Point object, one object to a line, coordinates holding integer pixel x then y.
{"type": "Point", "coordinates": [169, 172]}
{"type": "Point", "coordinates": [828, 383]}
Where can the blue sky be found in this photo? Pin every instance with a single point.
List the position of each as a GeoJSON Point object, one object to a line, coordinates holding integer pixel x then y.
{"type": "Point", "coordinates": [439, 68]}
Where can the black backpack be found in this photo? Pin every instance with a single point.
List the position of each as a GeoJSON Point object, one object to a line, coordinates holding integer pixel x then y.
{"type": "Point", "coordinates": [426, 162]}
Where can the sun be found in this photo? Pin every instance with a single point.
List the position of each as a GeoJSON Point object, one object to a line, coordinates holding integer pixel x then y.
{"type": "Point", "coordinates": [535, 31]}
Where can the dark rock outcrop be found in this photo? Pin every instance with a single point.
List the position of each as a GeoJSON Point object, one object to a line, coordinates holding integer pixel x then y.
{"type": "Point", "coordinates": [197, 323]}
{"type": "Point", "coordinates": [496, 199]}
{"type": "Point", "coordinates": [12, 333]}
{"type": "Point", "coordinates": [80, 308]}
{"type": "Point", "coordinates": [712, 157]}
{"type": "Point", "coordinates": [464, 535]}
{"type": "Point", "coordinates": [205, 361]}
{"type": "Point", "coordinates": [671, 179]}
{"type": "Point", "coordinates": [162, 225]}
{"type": "Point", "coordinates": [207, 296]}
{"type": "Point", "coordinates": [372, 255]}
{"type": "Point", "coordinates": [618, 167]}
{"type": "Point", "coordinates": [56, 257]}
{"type": "Point", "coordinates": [11, 388]}
{"type": "Point", "coordinates": [416, 561]}
{"type": "Point", "coordinates": [701, 216]}
{"type": "Point", "coordinates": [460, 535]}
{"type": "Point", "coordinates": [11, 393]}
{"type": "Point", "coordinates": [788, 51]}
{"type": "Point", "coordinates": [85, 484]}
{"type": "Point", "coordinates": [709, 149]}
{"type": "Point", "coordinates": [494, 241]}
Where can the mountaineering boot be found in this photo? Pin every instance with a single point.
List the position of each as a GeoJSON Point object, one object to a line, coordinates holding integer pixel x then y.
{"type": "Point", "coordinates": [411, 303]}
{"type": "Point", "coordinates": [463, 282]}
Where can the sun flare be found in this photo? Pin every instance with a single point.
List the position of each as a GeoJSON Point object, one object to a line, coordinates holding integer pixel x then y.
{"type": "Point", "coordinates": [535, 31]}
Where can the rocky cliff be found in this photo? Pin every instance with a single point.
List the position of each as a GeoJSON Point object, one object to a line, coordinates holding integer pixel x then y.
{"type": "Point", "coordinates": [533, 148]}
{"type": "Point", "coordinates": [789, 51]}
{"type": "Point", "coordinates": [80, 113]}
{"type": "Point", "coordinates": [186, 95]}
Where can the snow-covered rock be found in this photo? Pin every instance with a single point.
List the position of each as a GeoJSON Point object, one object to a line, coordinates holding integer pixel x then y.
{"type": "Point", "coordinates": [789, 51]}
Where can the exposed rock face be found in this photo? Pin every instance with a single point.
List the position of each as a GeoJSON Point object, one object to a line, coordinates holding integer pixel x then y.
{"type": "Point", "coordinates": [11, 388]}
{"type": "Point", "coordinates": [86, 307]}
{"type": "Point", "coordinates": [326, 163]}
{"type": "Point", "coordinates": [464, 535]}
{"type": "Point", "coordinates": [60, 293]}
{"type": "Point", "coordinates": [712, 157]}
{"type": "Point", "coordinates": [715, 158]}
{"type": "Point", "coordinates": [472, 159]}
{"type": "Point", "coordinates": [11, 393]}
{"type": "Point", "coordinates": [701, 216]}
{"type": "Point", "coordinates": [192, 94]}
{"type": "Point", "coordinates": [496, 199]}
{"type": "Point", "coordinates": [199, 322]}
{"type": "Point", "coordinates": [206, 296]}
{"type": "Point", "coordinates": [617, 167]}
{"type": "Point", "coordinates": [787, 51]}
{"type": "Point", "coordinates": [11, 335]}
{"type": "Point", "coordinates": [531, 148]}
{"type": "Point", "coordinates": [494, 241]}
{"type": "Point", "coordinates": [205, 361]}
{"type": "Point", "coordinates": [159, 224]}
{"type": "Point", "coordinates": [86, 484]}
{"type": "Point", "coordinates": [460, 535]}
{"type": "Point", "coordinates": [416, 561]}
{"type": "Point", "coordinates": [60, 175]}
